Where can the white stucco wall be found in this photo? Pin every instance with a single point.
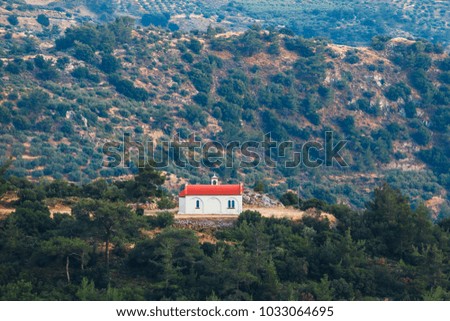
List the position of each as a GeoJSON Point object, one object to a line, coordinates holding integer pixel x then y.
{"type": "Point", "coordinates": [181, 205]}
{"type": "Point", "coordinates": [210, 204]}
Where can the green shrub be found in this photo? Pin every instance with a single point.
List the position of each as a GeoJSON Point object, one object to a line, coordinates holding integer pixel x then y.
{"type": "Point", "coordinates": [400, 90]}
{"type": "Point", "coordinates": [13, 20]}
{"type": "Point", "coordinates": [249, 217]}
{"type": "Point", "coordinates": [166, 203]}
{"type": "Point", "coordinates": [195, 45]}
{"type": "Point", "coordinates": [163, 219]}
{"type": "Point", "coordinates": [289, 199]}
{"type": "Point", "coordinates": [43, 20]}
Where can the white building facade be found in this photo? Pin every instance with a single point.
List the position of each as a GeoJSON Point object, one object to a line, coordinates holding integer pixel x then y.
{"type": "Point", "coordinates": [211, 199]}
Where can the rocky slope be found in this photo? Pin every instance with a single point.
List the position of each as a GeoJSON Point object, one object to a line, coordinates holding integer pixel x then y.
{"type": "Point", "coordinates": [61, 103]}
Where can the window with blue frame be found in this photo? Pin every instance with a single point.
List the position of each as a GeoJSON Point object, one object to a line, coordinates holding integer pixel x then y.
{"type": "Point", "coordinates": [197, 204]}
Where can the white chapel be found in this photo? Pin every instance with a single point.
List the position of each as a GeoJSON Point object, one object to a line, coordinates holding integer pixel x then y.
{"type": "Point", "coordinates": [211, 199]}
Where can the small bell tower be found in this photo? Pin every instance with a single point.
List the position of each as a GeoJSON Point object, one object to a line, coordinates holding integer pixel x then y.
{"type": "Point", "coordinates": [215, 180]}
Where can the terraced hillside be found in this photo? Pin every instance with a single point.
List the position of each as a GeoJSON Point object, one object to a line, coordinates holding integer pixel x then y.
{"type": "Point", "coordinates": [353, 22]}
{"type": "Point", "coordinates": [350, 22]}
{"type": "Point", "coordinates": [347, 22]}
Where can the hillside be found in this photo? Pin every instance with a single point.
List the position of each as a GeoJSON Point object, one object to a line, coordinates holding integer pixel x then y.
{"type": "Point", "coordinates": [349, 22]}
{"type": "Point", "coordinates": [337, 126]}
{"type": "Point", "coordinates": [64, 95]}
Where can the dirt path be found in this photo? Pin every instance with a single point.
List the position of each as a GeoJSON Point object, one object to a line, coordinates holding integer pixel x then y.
{"type": "Point", "coordinates": [278, 212]}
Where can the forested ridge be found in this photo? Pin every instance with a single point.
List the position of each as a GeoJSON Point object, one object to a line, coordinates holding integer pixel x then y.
{"type": "Point", "coordinates": [105, 250]}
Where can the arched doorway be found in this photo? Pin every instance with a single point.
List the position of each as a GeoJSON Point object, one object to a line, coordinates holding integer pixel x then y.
{"type": "Point", "coordinates": [213, 206]}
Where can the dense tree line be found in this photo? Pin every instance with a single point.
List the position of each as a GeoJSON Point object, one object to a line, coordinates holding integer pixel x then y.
{"type": "Point", "coordinates": [388, 251]}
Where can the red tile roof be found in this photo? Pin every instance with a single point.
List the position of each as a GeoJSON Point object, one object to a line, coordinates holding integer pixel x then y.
{"type": "Point", "coordinates": [212, 190]}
